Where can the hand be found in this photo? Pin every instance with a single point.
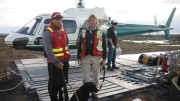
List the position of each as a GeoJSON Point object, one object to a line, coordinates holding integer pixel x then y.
{"type": "Point", "coordinates": [103, 63]}
{"type": "Point", "coordinates": [117, 45]}
{"type": "Point", "coordinates": [60, 65]}
{"type": "Point", "coordinates": [113, 46]}
{"type": "Point", "coordinates": [79, 61]}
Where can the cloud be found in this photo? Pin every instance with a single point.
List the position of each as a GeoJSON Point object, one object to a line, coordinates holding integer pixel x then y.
{"type": "Point", "coordinates": [176, 24]}
{"type": "Point", "coordinates": [19, 12]}
{"type": "Point", "coordinates": [171, 1]}
{"type": "Point", "coordinates": [2, 1]}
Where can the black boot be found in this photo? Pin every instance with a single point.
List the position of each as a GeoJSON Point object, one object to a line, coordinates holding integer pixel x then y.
{"type": "Point", "coordinates": [109, 68]}
{"type": "Point", "coordinates": [114, 67]}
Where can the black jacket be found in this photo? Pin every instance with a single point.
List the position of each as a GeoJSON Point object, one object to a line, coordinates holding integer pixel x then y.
{"type": "Point", "coordinates": [111, 34]}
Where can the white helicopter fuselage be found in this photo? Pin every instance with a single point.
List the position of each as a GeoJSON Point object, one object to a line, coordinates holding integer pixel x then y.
{"type": "Point", "coordinates": [74, 19]}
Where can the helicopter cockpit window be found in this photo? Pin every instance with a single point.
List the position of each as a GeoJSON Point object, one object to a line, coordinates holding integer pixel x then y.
{"type": "Point", "coordinates": [30, 27]}
{"type": "Point", "coordinates": [69, 25]}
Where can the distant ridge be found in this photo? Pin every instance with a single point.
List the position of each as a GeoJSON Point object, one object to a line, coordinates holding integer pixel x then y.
{"type": "Point", "coordinates": [4, 34]}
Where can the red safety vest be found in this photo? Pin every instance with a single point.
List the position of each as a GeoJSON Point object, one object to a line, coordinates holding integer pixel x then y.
{"type": "Point", "coordinates": [59, 43]}
{"type": "Point", "coordinates": [97, 47]}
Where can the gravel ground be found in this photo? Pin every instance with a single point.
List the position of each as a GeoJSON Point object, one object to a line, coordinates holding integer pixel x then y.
{"type": "Point", "coordinates": [8, 55]}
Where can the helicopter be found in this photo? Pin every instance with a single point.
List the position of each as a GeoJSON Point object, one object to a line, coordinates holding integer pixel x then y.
{"type": "Point", "coordinates": [74, 20]}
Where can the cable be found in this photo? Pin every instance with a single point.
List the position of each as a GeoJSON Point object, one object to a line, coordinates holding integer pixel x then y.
{"type": "Point", "coordinates": [19, 74]}
{"type": "Point", "coordinates": [102, 78]}
{"type": "Point", "coordinates": [73, 91]}
{"type": "Point", "coordinates": [18, 83]}
{"type": "Point", "coordinates": [129, 78]}
{"type": "Point", "coordinates": [151, 83]}
{"type": "Point", "coordinates": [70, 86]}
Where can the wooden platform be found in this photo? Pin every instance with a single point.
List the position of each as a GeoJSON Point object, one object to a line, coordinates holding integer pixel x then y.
{"type": "Point", "coordinates": [115, 84]}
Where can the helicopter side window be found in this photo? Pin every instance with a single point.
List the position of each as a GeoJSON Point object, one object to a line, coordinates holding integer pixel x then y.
{"type": "Point", "coordinates": [69, 25]}
{"type": "Point", "coordinates": [30, 27]}
{"type": "Point", "coordinates": [44, 25]}
{"type": "Point", "coordinates": [47, 21]}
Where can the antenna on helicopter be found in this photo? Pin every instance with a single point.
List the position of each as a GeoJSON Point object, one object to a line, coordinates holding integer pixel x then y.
{"type": "Point", "coordinates": [80, 4]}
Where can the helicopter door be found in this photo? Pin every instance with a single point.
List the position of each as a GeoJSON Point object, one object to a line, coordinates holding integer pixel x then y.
{"type": "Point", "coordinates": [38, 37]}
{"type": "Point", "coordinates": [71, 28]}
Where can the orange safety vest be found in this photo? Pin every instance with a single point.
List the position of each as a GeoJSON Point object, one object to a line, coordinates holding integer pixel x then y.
{"type": "Point", "coordinates": [59, 43]}
{"type": "Point", "coordinates": [97, 47]}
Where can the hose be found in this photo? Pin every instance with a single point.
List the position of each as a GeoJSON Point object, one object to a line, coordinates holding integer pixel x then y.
{"type": "Point", "coordinates": [9, 89]}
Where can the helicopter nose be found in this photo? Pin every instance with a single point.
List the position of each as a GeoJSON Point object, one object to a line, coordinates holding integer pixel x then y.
{"type": "Point", "coordinates": [20, 43]}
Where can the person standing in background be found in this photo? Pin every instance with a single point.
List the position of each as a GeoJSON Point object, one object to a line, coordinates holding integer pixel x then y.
{"type": "Point", "coordinates": [112, 44]}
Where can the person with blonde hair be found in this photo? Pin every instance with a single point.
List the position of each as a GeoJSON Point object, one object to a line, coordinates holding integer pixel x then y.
{"type": "Point", "coordinates": [92, 51]}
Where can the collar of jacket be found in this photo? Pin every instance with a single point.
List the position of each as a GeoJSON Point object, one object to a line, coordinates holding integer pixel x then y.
{"type": "Point", "coordinates": [93, 30]}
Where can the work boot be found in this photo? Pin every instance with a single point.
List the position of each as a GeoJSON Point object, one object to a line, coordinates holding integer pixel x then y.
{"type": "Point", "coordinates": [94, 95]}
{"type": "Point", "coordinates": [114, 67]}
{"type": "Point", "coordinates": [110, 69]}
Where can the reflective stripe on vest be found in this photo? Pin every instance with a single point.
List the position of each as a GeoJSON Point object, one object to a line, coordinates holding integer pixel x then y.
{"type": "Point", "coordinates": [59, 54]}
{"type": "Point", "coordinates": [50, 29]}
{"type": "Point", "coordinates": [59, 50]}
{"type": "Point", "coordinates": [83, 33]}
{"type": "Point", "coordinates": [99, 36]}
{"type": "Point", "coordinates": [83, 36]}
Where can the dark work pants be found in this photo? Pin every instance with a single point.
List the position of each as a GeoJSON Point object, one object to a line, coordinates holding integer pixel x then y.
{"type": "Point", "coordinates": [56, 81]}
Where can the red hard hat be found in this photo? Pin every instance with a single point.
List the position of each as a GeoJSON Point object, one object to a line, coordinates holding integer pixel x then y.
{"type": "Point", "coordinates": [56, 15]}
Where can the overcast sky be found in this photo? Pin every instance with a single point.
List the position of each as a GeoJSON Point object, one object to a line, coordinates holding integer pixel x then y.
{"type": "Point", "coordinates": [14, 13]}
